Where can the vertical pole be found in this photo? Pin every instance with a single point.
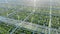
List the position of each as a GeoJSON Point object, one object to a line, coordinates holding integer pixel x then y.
{"type": "Point", "coordinates": [46, 31]}
{"type": "Point", "coordinates": [50, 17]}
{"type": "Point", "coordinates": [7, 6]}
{"type": "Point", "coordinates": [7, 14]}
{"type": "Point", "coordinates": [34, 5]}
{"type": "Point", "coordinates": [56, 32]}
{"type": "Point", "coordinates": [18, 17]}
{"type": "Point", "coordinates": [34, 9]}
{"type": "Point", "coordinates": [33, 32]}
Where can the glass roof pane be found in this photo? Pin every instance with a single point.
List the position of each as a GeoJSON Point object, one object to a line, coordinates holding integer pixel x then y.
{"type": "Point", "coordinates": [33, 16]}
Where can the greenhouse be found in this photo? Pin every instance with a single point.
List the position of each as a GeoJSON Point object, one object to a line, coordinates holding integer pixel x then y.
{"type": "Point", "coordinates": [29, 17]}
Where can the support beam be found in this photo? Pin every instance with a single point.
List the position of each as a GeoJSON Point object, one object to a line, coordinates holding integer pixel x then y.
{"type": "Point", "coordinates": [13, 30]}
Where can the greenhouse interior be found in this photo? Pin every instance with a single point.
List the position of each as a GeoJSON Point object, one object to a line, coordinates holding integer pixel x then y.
{"type": "Point", "coordinates": [29, 16]}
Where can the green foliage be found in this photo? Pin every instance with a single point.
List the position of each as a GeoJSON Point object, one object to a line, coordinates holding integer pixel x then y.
{"type": "Point", "coordinates": [40, 17]}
